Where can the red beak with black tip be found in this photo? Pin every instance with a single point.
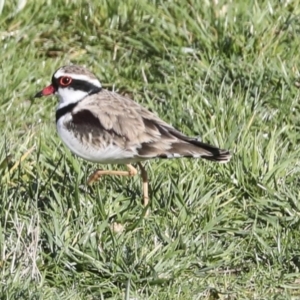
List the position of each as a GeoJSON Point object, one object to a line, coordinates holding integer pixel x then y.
{"type": "Point", "coordinates": [49, 90]}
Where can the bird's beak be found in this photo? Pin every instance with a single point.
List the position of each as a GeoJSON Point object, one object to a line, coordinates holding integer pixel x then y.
{"type": "Point", "coordinates": [49, 90]}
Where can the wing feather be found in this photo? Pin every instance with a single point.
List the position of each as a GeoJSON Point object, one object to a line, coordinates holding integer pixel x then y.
{"type": "Point", "coordinates": [136, 129]}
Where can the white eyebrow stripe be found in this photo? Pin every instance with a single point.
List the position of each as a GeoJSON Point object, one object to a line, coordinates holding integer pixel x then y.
{"type": "Point", "coordinates": [94, 81]}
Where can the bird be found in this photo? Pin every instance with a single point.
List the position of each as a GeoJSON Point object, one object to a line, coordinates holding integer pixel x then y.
{"type": "Point", "coordinates": [104, 127]}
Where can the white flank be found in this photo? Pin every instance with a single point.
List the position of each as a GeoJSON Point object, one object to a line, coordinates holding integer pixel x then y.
{"type": "Point", "coordinates": [108, 154]}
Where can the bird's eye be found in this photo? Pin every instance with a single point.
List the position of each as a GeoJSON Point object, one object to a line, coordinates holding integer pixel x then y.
{"type": "Point", "coordinates": [65, 80]}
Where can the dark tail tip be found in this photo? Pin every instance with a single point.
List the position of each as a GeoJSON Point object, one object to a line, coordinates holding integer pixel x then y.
{"type": "Point", "coordinates": [221, 156]}
{"type": "Point", "coordinates": [213, 153]}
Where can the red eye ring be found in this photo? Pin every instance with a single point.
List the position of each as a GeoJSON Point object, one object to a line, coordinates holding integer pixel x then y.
{"type": "Point", "coordinates": [65, 80]}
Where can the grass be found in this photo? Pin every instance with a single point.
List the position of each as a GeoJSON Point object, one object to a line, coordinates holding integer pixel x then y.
{"type": "Point", "coordinates": [223, 70]}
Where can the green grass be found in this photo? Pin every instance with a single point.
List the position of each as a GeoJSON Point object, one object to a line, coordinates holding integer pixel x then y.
{"type": "Point", "coordinates": [224, 70]}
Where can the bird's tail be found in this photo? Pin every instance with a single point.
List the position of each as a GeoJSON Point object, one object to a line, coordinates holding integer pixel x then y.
{"type": "Point", "coordinates": [173, 144]}
{"type": "Point", "coordinates": [190, 147]}
{"type": "Point", "coordinates": [210, 152]}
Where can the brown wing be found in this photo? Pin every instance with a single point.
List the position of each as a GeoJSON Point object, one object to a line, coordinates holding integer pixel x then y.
{"type": "Point", "coordinates": [132, 127]}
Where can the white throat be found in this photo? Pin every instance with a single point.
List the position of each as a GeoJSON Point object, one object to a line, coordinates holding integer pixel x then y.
{"type": "Point", "coordinates": [68, 96]}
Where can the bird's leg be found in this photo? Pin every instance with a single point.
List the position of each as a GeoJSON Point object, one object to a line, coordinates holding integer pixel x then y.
{"type": "Point", "coordinates": [145, 184]}
{"type": "Point", "coordinates": [131, 172]}
{"type": "Point", "coordinates": [98, 173]}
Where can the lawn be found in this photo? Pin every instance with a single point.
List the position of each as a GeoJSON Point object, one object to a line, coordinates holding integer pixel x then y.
{"type": "Point", "coordinates": [227, 71]}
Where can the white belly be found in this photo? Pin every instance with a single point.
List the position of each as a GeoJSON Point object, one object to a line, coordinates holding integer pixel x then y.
{"type": "Point", "coordinates": [109, 154]}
